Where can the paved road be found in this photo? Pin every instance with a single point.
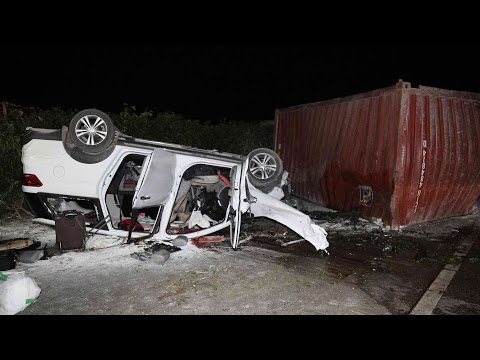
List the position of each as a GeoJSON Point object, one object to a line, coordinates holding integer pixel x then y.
{"type": "Point", "coordinates": [367, 272]}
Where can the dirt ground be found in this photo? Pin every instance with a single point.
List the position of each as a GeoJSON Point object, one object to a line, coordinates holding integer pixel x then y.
{"type": "Point", "coordinates": [368, 271]}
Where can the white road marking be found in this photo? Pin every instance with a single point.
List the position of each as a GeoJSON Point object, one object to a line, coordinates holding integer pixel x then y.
{"type": "Point", "coordinates": [432, 296]}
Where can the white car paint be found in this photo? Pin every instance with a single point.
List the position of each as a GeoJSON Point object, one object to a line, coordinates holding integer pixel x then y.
{"type": "Point", "coordinates": [299, 222]}
{"type": "Point", "coordinates": [42, 157]}
{"type": "Point", "coordinates": [62, 175]}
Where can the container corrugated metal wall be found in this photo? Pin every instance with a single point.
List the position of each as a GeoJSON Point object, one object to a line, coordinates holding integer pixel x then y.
{"type": "Point", "coordinates": [416, 148]}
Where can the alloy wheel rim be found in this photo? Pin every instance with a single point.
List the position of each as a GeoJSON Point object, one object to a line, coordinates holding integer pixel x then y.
{"type": "Point", "coordinates": [262, 166]}
{"type": "Point", "coordinates": [91, 130]}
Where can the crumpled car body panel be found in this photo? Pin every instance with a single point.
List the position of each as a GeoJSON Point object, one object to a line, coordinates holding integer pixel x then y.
{"type": "Point", "coordinates": [299, 222]}
{"type": "Point", "coordinates": [158, 184]}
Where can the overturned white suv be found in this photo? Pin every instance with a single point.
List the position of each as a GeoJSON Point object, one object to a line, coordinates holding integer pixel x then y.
{"type": "Point", "coordinates": [139, 189]}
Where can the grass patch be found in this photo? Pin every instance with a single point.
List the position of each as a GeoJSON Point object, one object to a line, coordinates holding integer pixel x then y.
{"type": "Point", "coordinates": [321, 272]}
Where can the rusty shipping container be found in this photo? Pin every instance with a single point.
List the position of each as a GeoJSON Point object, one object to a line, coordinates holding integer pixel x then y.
{"type": "Point", "coordinates": [404, 155]}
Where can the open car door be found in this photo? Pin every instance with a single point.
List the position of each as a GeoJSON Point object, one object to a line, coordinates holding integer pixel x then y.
{"type": "Point", "coordinates": [155, 183]}
{"type": "Point", "coordinates": [235, 213]}
{"type": "Point", "coordinates": [156, 180]}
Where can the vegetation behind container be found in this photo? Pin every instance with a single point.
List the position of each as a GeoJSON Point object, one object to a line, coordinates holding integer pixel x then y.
{"type": "Point", "coordinates": [233, 136]}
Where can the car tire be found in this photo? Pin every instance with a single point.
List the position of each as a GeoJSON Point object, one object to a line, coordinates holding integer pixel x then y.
{"type": "Point", "coordinates": [265, 168]}
{"type": "Point", "coordinates": [91, 131]}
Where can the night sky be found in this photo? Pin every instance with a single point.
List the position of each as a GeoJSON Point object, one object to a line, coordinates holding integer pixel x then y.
{"type": "Point", "coordinates": [213, 82]}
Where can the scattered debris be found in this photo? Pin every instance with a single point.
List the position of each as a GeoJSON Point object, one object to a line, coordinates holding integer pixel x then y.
{"type": "Point", "coordinates": [329, 215]}
{"type": "Point", "coordinates": [161, 246]}
{"type": "Point", "coordinates": [150, 253]}
{"type": "Point", "coordinates": [387, 248]}
{"type": "Point", "coordinates": [378, 222]}
{"type": "Point", "coordinates": [180, 241]}
{"type": "Point", "coordinates": [139, 256]}
{"type": "Point", "coordinates": [293, 242]}
{"type": "Point", "coordinates": [96, 242]}
{"type": "Point", "coordinates": [15, 244]}
{"type": "Point", "coordinates": [161, 256]}
{"type": "Point", "coordinates": [30, 256]}
{"type": "Point", "coordinates": [269, 234]}
{"type": "Point", "coordinates": [247, 238]}
{"type": "Point", "coordinates": [197, 218]}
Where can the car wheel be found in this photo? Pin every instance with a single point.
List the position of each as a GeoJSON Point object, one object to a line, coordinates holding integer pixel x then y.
{"type": "Point", "coordinates": [265, 168]}
{"type": "Point", "coordinates": [92, 131]}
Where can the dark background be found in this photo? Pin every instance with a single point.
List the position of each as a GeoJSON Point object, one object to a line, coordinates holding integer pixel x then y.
{"type": "Point", "coordinates": [214, 82]}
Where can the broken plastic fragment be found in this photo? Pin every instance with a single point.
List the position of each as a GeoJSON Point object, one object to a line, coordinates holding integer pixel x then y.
{"type": "Point", "coordinates": [161, 256]}
{"type": "Point", "coordinates": [180, 241]}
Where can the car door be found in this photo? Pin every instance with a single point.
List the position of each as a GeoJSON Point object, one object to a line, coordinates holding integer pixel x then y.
{"type": "Point", "coordinates": [155, 183]}
{"type": "Point", "coordinates": [235, 213]}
